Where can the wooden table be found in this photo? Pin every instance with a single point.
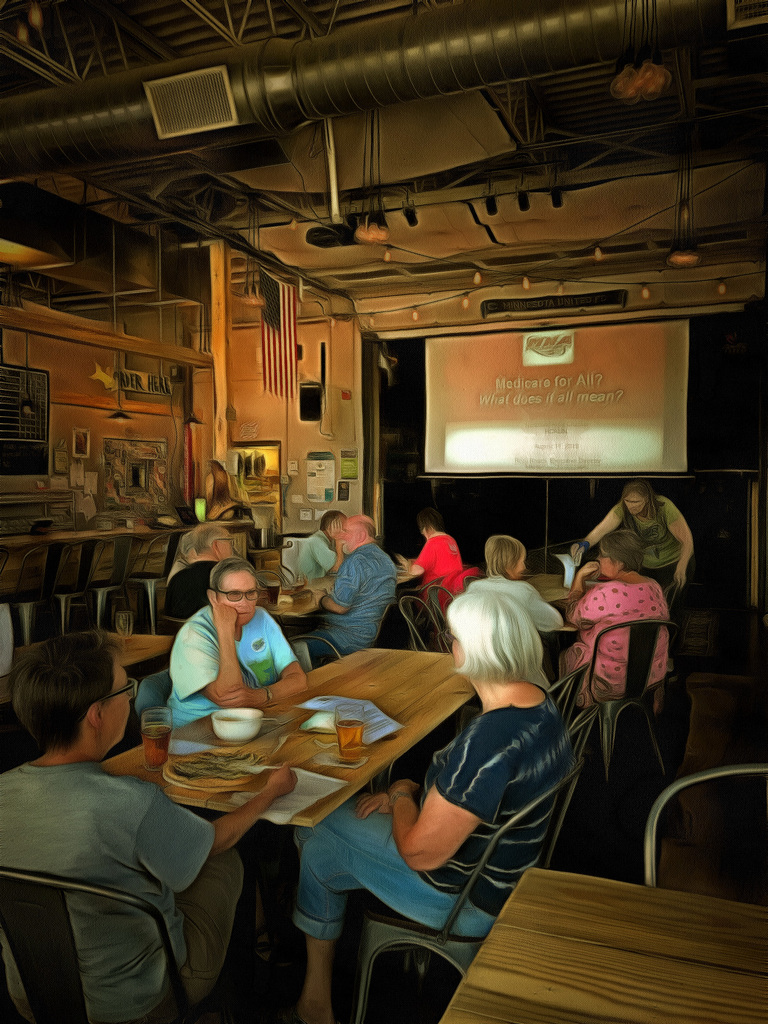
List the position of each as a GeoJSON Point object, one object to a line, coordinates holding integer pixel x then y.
{"type": "Point", "coordinates": [417, 689]}
{"type": "Point", "coordinates": [572, 949]}
{"type": "Point", "coordinates": [136, 649]}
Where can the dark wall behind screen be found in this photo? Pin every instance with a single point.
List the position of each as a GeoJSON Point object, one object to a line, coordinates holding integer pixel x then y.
{"type": "Point", "coordinates": [726, 371]}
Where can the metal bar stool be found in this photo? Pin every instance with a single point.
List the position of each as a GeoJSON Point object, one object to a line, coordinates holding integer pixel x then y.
{"type": "Point", "coordinates": [148, 581]}
{"type": "Point", "coordinates": [30, 589]}
{"type": "Point", "coordinates": [75, 571]}
{"type": "Point", "coordinates": [101, 590]}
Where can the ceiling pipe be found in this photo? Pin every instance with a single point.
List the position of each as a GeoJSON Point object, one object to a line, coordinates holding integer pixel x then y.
{"type": "Point", "coordinates": [279, 84]}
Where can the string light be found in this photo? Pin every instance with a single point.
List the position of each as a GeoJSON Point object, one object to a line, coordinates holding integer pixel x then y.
{"type": "Point", "coordinates": [526, 284]}
{"type": "Point", "coordinates": [645, 291]}
{"type": "Point", "coordinates": [294, 224]}
{"type": "Point", "coordinates": [415, 315]}
{"type": "Point", "coordinates": [560, 288]}
{"type": "Point", "coordinates": [478, 278]}
{"type": "Point", "coordinates": [387, 256]}
{"type": "Point", "coordinates": [465, 302]}
{"type": "Point", "coordinates": [599, 254]}
{"type": "Point", "coordinates": [35, 15]}
{"type": "Point", "coordinates": [721, 287]}
{"type": "Point", "coordinates": [22, 33]}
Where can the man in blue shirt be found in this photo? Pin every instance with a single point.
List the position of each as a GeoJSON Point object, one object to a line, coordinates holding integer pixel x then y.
{"type": "Point", "coordinates": [364, 587]}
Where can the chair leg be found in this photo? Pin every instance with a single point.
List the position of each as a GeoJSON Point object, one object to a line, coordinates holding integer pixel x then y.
{"type": "Point", "coordinates": [26, 612]}
{"type": "Point", "coordinates": [151, 592]}
{"type": "Point", "coordinates": [366, 956]}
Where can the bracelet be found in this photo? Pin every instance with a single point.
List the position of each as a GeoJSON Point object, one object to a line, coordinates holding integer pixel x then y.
{"type": "Point", "coordinates": [393, 797]}
{"type": "Point", "coordinates": [584, 545]}
{"type": "Point", "coordinates": [268, 692]}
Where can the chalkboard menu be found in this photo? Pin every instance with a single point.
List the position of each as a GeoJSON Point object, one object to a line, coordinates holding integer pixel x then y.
{"type": "Point", "coordinates": [23, 421]}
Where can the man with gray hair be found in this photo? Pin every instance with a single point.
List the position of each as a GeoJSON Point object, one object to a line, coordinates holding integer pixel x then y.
{"type": "Point", "coordinates": [199, 550]}
{"type": "Point", "coordinates": [364, 587]}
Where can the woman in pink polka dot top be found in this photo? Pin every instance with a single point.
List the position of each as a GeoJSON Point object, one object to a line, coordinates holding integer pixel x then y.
{"type": "Point", "coordinates": [604, 592]}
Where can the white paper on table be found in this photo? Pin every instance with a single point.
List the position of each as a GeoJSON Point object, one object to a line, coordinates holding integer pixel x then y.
{"type": "Point", "coordinates": [570, 568]}
{"type": "Point", "coordinates": [310, 787]}
{"type": "Point", "coordinates": [377, 724]}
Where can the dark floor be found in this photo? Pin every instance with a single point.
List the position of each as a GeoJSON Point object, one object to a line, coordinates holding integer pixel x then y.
{"type": "Point", "coordinates": [602, 834]}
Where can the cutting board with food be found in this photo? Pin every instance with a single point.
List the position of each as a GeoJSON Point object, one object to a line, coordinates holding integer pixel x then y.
{"type": "Point", "coordinates": [214, 771]}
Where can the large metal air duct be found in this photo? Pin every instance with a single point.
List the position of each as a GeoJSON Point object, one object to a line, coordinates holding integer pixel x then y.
{"type": "Point", "coordinates": [278, 85]}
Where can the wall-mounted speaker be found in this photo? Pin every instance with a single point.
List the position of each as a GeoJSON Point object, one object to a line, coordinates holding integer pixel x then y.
{"type": "Point", "coordinates": [310, 400]}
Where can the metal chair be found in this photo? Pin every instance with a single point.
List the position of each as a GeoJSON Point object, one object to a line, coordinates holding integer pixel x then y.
{"type": "Point", "coordinates": [423, 626]}
{"type": "Point", "coordinates": [565, 692]}
{"type": "Point", "coordinates": [300, 649]}
{"type": "Point", "coordinates": [30, 589]}
{"type": "Point", "coordinates": [727, 771]}
{"type": "Point", "coordinates": [153, 692]}
{"type": "Point", "coordinates": [643, 636]}
{"type": "Point", "coordinates": [73, 576]}
{"type": "Point", "coordinates": [147, 581]}
{"type": "Point", "coordinates": [121, 555]}
{"type": "Point", "coordinates": [389, 931]}
{"type": "Point", "coordinates": [36, 920]}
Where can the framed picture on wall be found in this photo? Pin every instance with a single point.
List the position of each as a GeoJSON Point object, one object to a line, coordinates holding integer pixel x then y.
{"type": "Point", "coordinates": [81, 442]}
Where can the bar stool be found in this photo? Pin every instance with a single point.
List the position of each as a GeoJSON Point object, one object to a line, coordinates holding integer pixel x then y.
{"type": "Point", "coordinates": [30, 590]}
{"type": "Point", "coordinates": [121, 555]}
{"type": "Point", "coordinates": [149, 581]}
{"type": "Point", "coordinates": [73, 576]}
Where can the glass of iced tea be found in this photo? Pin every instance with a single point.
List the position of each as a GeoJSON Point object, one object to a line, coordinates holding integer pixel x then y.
{"type": "Point", "coordinates": [156, 725]}
{"type": "Point", "coordinates": [350, 724]}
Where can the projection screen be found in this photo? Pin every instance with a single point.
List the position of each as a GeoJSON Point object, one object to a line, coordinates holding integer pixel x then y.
{"type": "Point", "coordinates": [598, 399]}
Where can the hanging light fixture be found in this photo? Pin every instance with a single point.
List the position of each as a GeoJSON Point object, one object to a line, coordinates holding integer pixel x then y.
{"type": "Point", "coordinates": [640, 73]}
{"type": "Point", "coordinates": [683, 252]}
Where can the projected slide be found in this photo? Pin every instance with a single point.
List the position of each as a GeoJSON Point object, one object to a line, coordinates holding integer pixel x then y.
{"type": "Point", "coordinates": [602, 399]}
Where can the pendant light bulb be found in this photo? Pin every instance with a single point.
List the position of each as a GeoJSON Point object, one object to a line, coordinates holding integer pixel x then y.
{"type": "Point", "coordinates": [645, 291]}
{"type": "Point", "coordinates": [478, 278]}
{"type": "Point", "coordinates": [526, 283]}
{"type": "Point", "coordinates": [721, 287]}
{"type": "Point", "coordinates": [415, 314]}
{"type": "Point", "coordinates": [465, 302]}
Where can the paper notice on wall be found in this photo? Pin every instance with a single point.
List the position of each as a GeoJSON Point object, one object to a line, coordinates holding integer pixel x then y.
{"type": "Point", "coordinates": [349, 464]}
{"type": "Point", "coordinates": [91, 483]}
{"type": "Point", "coordinates": [321, 476]}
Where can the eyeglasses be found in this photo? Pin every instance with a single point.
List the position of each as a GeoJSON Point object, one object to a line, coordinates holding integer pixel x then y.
{"type": "Point", "coordinates": [237, 595]}
{"type": "Point", "coordinates": [131, 688]}
{"type": "Point", "coordinates": [450, 639]}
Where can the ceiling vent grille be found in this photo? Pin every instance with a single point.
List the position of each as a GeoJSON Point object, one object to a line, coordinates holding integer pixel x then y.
{"type": "Point", "coordinates": [743, 13]}
{"type": "Point", "coordinates": [198, 101]}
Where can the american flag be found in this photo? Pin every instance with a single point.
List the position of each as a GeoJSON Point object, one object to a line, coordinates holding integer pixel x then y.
{"type": "Point", "coordinates": [278, 336]}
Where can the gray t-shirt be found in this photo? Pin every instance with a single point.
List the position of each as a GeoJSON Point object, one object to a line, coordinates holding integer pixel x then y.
{"type": "Point", "coordinates": [75, 820]}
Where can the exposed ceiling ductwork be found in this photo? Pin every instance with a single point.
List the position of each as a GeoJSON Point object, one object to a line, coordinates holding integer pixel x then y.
{"type": "Point", "coordinates": [278, 85]}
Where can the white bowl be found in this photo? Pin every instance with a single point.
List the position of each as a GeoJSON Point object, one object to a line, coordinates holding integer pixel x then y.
{"type": "Point", "coordinates": [237, 725]}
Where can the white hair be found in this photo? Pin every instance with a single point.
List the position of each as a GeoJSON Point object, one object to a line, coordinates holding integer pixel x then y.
{"type": "Point", "coordinates": [498, 637]}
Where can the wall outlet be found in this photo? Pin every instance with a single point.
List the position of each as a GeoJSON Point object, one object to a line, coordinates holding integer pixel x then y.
{"type": "Point", "coordinates": [305, 514]}
{"type": "Point", "coordinates": [293, 467]}
{"type": "Point", "coordinates": [297, 499]}
{"type": "Point", "coordinates": [319, 513]}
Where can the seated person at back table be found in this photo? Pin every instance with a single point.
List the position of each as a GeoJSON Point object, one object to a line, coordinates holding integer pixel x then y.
{"type": "Point", "coordinates": [440, 555]}
{"type": "Point", "coordinates": [505, 568]}
{"type": "Point", "coordinates": [63, 814]}
{"type": "Point", "coordinates": [605, 592]}
{"type": "Point", "coordinates": [362, 590]}
{"type": "Point", "coordinates": [232, 653]}
{"type": "Point", "coordinates": [322, 553]}
{"type": "Point", "coordinates": [199, 550]}
{"type": "Point", "coordinates": [414, 846]}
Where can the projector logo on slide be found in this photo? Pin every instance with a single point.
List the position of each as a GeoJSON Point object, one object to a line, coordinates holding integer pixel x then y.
{"type": "Point", "coordinates": [547, 348]}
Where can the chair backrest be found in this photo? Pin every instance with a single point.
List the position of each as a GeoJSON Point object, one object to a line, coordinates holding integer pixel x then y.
{"type": "Point", "coordinates": [560, 795]}
{"type": "Point", "coordinates": [153, 691]}
{"type": "Point", "coordinates": [641, 648]}
{"type": "Point", "coordinates": [565, 692]}
{"type": "Point", "coordinates": [300, 649]}
{"type": "Point", "coordinates": [726, 771]}
{"type": "Point", "coordinates": [35, 918]}
{"type": "Point", "coordinates": [423, 626]}
{"type": "Point", "coordinates": [31, 576]}
{"type": "Point", "coordinates": [439, 598]}
{"type": "Point", "coordinates": [145, 554]}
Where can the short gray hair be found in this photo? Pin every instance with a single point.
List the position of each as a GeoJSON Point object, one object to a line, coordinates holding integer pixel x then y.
{"type": "Point", "coordinates": [200, 538]}
{"type": "Point", "coordinates": [498, 637]}
{"type": "Point", "coordinates": [230, 565]}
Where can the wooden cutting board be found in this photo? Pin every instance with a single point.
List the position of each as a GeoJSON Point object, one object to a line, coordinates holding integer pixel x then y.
{"type": "Point", "coordinates": [211, 783]}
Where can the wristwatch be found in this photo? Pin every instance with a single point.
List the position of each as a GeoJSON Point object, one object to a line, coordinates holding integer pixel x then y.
{"type": "Point", "coordinates": [268, 692]}
{"type": "Point", "coordinates": [396, 796]}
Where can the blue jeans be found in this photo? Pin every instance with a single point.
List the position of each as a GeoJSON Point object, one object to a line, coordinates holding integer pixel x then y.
{"type": "Point", "coordinates": [343, 853]}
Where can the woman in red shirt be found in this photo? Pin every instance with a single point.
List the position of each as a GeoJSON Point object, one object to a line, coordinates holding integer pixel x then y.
{"type": "Point", "coordinates": [440, 555]}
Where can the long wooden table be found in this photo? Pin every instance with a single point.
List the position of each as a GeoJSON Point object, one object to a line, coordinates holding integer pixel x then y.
{"type": "Point", "coordinates": [417, 689]}
{"type": "Point", "coordinates": [572, 949]}
{"type": "Point", "coordinates": [136, 649]}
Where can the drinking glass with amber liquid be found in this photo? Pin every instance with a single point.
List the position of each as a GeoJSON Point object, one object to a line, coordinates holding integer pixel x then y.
{"type": "Point", "coordinates": [156, 725]}
{"type": "Point", "coordinates": [350, 725]}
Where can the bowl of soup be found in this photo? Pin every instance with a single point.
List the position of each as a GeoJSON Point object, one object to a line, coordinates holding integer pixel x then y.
{"type": "Point", "coordinates": [237, 725]}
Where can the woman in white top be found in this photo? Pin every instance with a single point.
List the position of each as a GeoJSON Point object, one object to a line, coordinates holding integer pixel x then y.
{"type": "Point", "coordinates": [505, 566]}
